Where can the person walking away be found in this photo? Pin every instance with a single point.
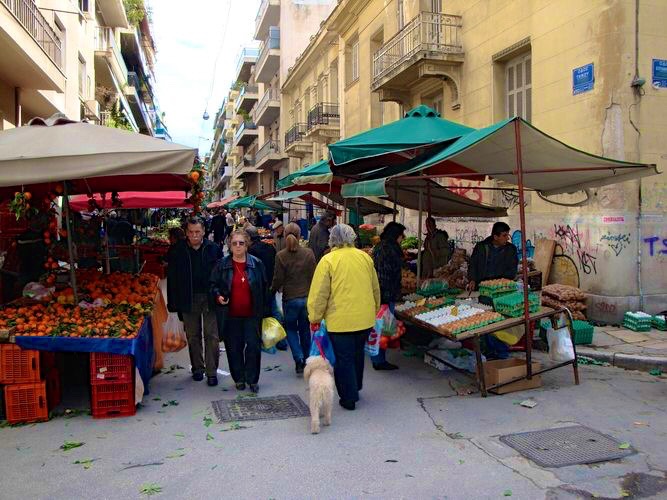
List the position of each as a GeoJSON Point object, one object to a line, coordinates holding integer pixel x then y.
{"type": "Point", "coordinates": [219, 228]}
{"type": "Point", "coordinates": [436, 248]}
{"type": "Point", "coordinates": [493, 258]}
{"type": "Point", "coordinates": [388, 260]}
{"type": "Point", "coordinates": [346, 294]}
{"type": "Point", "coordinates": [231, 222]}
{"type": "Point", "coordinates": [238, 284]}
{"type": "Point", "coordinates": [293, 273]}
{"type": "Point", "coordinates": [319, 234]}
{"type": "Point", "coordinates": [190, 263]}
{"type": "Point", "coordinates": [278, 235]}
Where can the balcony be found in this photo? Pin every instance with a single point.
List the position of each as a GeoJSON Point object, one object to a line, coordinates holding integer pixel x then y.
{"type": "Point", "coordinates": [267, 15]}
{"type": "Point", "coordinates": [324, 122]}
{"type": "Point", "coordinates": [143, 115]}
{"type": "Point", "coordinates": [110, 68]}
{"type": "Point", "coordinates": [296, 143]}
{"type": "Point", "coordinates": [245, 167]}
{"type": "Point", "coordinates": [133, 48]}
{"type": "Point", "coordinates": [247, 98]}
{"type": "Point", "coordinates": [245, 134]}
{"type": "Point", "coordinates": [268, 63]}
{"type": "Point", "coordinates": [247, 59]}
{"type": "Point", "coordinates": [31, 49]}
{"type": "Point", "coordinates": [113, 13]}
{"type": "Point", "coordinates": [267, 110]}
{"type": "Point", "coordinates": [428, 46]}
{"type": "Point", "coordinates": [269, 155]}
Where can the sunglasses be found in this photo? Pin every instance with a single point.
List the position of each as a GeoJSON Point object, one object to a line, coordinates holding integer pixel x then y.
{"type": "Point", "coordinates": [238, 243]}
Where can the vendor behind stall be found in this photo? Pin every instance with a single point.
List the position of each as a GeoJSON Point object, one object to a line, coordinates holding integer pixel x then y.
{"type": "Point", "coordinates": [493, 258]}
{"type": "Point", "coordinates": [436, 248]}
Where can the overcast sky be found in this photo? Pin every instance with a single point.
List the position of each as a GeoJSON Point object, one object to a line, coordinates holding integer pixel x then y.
{"type": "Point", "coordinates": [189, 36]}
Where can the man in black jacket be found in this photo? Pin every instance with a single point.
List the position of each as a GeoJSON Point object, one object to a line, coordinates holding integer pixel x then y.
{"type": "Point", "coordinates": [493, 258]}
{"type": "Point", "coordinates": [219, 227]}
{"type": "Point", "coordinates": [190, 265]}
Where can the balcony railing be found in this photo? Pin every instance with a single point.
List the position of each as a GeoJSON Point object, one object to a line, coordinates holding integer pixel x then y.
{"type": "Point", "coordinates": [246, 53]}
{"type": "Point", "coordinates": [269, 147]}
{"type": "Point", "coordinates": [245, 125]}
{"type": "Point", "coordinates": [272, 42]}
{"type": "Point", "coordinates": [262, 9]}
{"type": "Point", "coordinates": [270, 95]}
{"type": "Point", "coordinates": [105, 41]}
{"type": "Point", "coordinates": [429, 31]}
{"type": "Point", "coordinates": [105, 118]}
{"type": "Point", "coordinates": [29, 16]}
{"type": "Point", "coordinates": [324, 113]}
{"type": "Point", "coordinates": [295, 134]}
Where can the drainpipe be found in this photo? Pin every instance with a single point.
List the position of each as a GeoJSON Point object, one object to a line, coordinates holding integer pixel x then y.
{"type": "Point", "coordinates": [639, 194]}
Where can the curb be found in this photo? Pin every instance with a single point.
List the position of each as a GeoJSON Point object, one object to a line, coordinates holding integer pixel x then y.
{"type": "Point", "coordinates": [626, 361]}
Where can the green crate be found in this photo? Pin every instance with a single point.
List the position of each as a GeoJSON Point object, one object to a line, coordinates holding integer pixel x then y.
{"type": "Point", "coordinates": [512, 304]}
{"type": "Point", "coordinates": [583, 332]}
{"type": "Point", "coordinates": [659, 322]}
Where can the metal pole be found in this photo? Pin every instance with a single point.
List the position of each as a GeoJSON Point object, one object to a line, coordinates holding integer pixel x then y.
{"type": "Point", "coordinates": [419, 239]}
{"type": "Point", "coordinates": [70, 245]}
{"type": "Point", "coordinates": [106, 246]}
{"type": "Point", "coordinates": [395, 198]}
{"type": "Point", "coordinates": [524, 259]}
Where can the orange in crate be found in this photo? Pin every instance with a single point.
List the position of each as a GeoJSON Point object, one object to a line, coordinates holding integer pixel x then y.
{"type": "Point", "coordinates": [105, 366]}
{"type": "Point", "coordinates": [112, 399]}
{"type": "Point", "coordinates": [26, 403]}
{"type": "Point", "coordinates": [19, 366]}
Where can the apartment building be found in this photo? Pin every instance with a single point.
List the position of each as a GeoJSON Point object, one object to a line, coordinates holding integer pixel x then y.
{"type": "Point", "coordinates": [589, 73]}
{"type": "Point", "coordinates": [81, 58]}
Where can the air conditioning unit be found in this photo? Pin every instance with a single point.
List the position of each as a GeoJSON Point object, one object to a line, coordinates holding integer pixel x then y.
{"type": "Point", "coordinates": [92, 109]}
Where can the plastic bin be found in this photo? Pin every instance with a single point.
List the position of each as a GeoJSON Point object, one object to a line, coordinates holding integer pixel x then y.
{"type": "Point", "coordinates": [112, 399]}
{"type": "Point", "coordinates": [110, 367]}
{"type": "Point", "coordinates": [26, 403]}
{"type": "Point", "coordinates": [583, 332]}
{"type": "Point", "coordinates": [19, 366]}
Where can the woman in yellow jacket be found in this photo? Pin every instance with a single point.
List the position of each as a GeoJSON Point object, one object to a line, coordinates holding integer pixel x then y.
{"type": "Point", "coordinates": [346, 294]}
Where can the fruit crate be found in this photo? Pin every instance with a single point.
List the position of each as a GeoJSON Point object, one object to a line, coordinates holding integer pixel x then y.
{"type": "Point", "coordinates": [3, 413]}
{"type": "Point", "coordinates": [53, 388]}
{"type": "Point", "coordinates": [637, 321]}
{"type": "Point", "coordinates": [112, 399]}
{"type": "Point", "coordinates": [18, 366]}
{"type": "Point", "coordinates": [583, 332]}
{"type": "Point", "coordinates": [512, 304]}
{"type": "Point", "coordinates": [26, 403]}
{"type": "Point", "coordinates": [659, 322]}
{"type": "Point", "coordinates": [110, 367]}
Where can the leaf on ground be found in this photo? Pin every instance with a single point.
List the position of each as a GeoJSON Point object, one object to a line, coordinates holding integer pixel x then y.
{"type": "Point", "coordinates": [179, 435]}
{"type": "Point", "coordinates": [176, 454]}
{"type": "Point", "coordinates": [656, 372]}
{"type": "Point", "coordinates": [507, 493]}
{"type": "Point", "coordinates": [391, 461]}
{"type": "Point", "coordinates": [214, 467]}
{"type": "Point", "coordinates": [209, 437]}
{"type": "Point", "coordinates": [157, 399]}
{"type": "Point", "coordinates": [70, 445]}
{"type": "Point", "coordinates": [461, 462]}
{"type": "Point", "coordinates": [455, 435]}
{"type": "Point", "coordinates": [149, 489]}
{"type": "Point", "coordinates": [86, 462]}
{"type": "Point", "coordinates": [207, 421]}
{"type": "Point", "coordinates": [235, 426]}
{"type": "Point", "coordinates": [625, 493]}
{"type": "Point", "coordinates": [624, 446]}
{"type": "Point", "coordinates": [171, 402]}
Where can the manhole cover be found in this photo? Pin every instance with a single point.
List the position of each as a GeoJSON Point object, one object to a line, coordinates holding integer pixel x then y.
{"type": "Point", "coordinates": [566, 446]}
{"type": "Point", "coordinates": [269, 408]}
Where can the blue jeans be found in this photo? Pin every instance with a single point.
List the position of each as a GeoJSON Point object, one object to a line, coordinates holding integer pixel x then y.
{"type": "Point", "coordinates": [297, 327]}
{"type": "Point", "coordinates": [381, 357]}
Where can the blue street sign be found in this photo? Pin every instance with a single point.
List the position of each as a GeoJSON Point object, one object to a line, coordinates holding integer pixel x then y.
{"type": "Point", "coordinates": [583, 79]}
{"type": "Point", "coordinates": [660, 73]}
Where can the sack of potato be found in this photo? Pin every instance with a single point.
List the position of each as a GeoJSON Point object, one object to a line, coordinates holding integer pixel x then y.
{"type": "Point", "coordinates": [556, 296]}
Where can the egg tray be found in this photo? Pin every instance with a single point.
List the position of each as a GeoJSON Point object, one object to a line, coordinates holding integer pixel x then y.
{"type": "Point", "coordinates": [461, 326]}
{"type": "Point", "coordinates": [496, 288]}
{"type": "Point", "coordinates": [659, 322]}
{"type": "Point", "coordinates": [636, 327]}
{"type": "Point", "coordinates": [638, 322]}
{"type": "Point", "coordinates": [439, 302]}
{"type": "Point", "coordinates": [494, 293]}
{"type": "Point", "coordinates": [513, 305]}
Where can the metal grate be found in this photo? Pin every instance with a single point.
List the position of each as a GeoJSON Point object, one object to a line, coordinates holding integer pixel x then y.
{"type": "Point", "coordinates": [566, 446]}
{"type": "Point", "coordinates": [269, 408]}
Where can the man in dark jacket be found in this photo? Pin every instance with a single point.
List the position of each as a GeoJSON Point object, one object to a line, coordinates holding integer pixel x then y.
{"type": "Point", "coordinates": [219, 227]}
{"type": "Point", "coordinates": [493, 258]}
{"type": "Point", "coordinates": [190, 265]}
{"type": "Point", "coordinates": [319, 235]}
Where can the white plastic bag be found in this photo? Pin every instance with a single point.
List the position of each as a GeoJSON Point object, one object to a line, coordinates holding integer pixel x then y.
{"type": "Point", "coordinates": [560, 345]}
{"type": "Point", "coordinates": [173, 335]}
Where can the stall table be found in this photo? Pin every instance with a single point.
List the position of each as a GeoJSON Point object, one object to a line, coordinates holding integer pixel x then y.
{"type": "Point", "coordinates": [475, 335]}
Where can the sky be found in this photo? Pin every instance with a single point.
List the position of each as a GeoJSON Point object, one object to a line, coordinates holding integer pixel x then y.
{"type": "Point", "coordinates": [188, 37]}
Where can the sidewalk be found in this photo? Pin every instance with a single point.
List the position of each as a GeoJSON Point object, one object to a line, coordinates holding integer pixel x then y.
{"type": "Point", "coordinates": [627, 349]}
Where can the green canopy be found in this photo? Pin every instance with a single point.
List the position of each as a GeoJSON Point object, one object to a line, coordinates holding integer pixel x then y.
{"type": "Point", "coordinates": [250, 202]}
{"type": "Point", "coordinates": [549, 165]}
{"type": "Point", "coordinates": [412, 137]}
{"type": "Point", "coordinates": [317, 173]}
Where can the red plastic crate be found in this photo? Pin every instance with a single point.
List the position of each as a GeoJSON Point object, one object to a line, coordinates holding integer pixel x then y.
{"type": "Point", "coordinates": [53, 388]}
{"type": "Point", "coordinates": [18, 366]}
{"type": "Point", "coordinates": [26, 403]}
{"type": "Point", "coordinates": [112, 399]}
{"type": "Point", "coordinates": [110, 367]}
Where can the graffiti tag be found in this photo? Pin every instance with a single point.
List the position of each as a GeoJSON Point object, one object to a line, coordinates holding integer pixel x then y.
{"type": "Point", "coordinates": [516, 240]}
{"type": "Point", "coordinates": [571, 238]}
{"type": "Point", "coordinates": [509, 198]}
{"type": "Point", "coordinates": [617, 242]}
{"type": "Point", "coordinates": [653, 243]}
{"type": "Point", "coordinates": [468, 189]}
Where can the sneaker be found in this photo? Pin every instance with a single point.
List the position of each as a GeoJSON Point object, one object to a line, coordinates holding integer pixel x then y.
{"type": "Point", "coordinates": [300, 365]}
{"type": "Point", "coordinates": [212, 381]}
{"type": "Point", "coordinates": [240, 386]}
{"type": "Point", "coordinates": [254, 388]}
{"type": "Point", "coordinates": [385, 366]}
{"type": "Point", "coordinates": [348, 405]}
{"type": "Point", "coordinates": [197, 377]}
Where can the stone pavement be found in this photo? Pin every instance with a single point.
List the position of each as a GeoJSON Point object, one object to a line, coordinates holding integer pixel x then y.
{"type": "Point", "coordinates": [625, 348]}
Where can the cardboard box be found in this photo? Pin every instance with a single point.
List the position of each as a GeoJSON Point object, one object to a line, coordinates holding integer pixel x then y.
{"type": "Point", "coordinates": [502, 370]}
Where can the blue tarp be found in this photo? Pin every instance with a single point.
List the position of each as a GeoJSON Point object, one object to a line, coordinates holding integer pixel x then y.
{"type": "Point", "coordinates": [141, 347]}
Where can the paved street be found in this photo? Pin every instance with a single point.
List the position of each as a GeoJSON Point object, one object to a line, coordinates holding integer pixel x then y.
{"type": "Point", "coordinates": [412, 436]}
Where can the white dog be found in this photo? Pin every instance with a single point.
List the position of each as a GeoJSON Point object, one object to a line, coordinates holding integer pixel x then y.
{"type": "Point", "coordinates": [319, 375]}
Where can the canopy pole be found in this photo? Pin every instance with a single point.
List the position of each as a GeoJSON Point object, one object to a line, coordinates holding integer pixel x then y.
{"type": "Point", "coordinates": [395, 198]}
{"type": "Point", "coordinates": [428, 198]}
{"type": "Point", "coordinates": [419, 239]}
{"type": "Point", "coordinates": [524, 259]}
{"type": "Point", "coordinates": [70, 246]}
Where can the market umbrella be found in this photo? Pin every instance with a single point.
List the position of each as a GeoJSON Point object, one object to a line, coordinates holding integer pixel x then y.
{"type": "Point", "coordinates": [366, 207]}
{"type": "Point", "coordinates": [412, 138]}
{"type": "Point", "coordinates": [252, 202]}
{"type": "Point", "coordinates": [317, 173]}
{"type": "Point", "coordinates": [222, 202]}
{"type": "Point", "coordinates": [135, 199]}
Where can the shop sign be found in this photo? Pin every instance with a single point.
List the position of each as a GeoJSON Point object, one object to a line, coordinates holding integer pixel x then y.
{"type": "Point", "coordinates": [660, 73]}
{"type": "Point", "coordinates": [583, 79]}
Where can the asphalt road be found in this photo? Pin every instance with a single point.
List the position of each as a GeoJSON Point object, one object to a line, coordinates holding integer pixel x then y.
{"type": "Point", "coordinates": [413, 435]}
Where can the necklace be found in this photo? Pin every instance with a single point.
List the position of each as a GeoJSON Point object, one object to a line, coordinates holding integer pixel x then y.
{"type": "Point", "coordinates": [239, 267]}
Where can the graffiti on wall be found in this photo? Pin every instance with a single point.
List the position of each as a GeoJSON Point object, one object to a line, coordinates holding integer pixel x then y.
{"type": "Point", "coordinates": [467, 189]}
{"type": "Point", "coordinates": [509, 198]}
{"type": "Point", "coordinates": [617, 242]}
{"type": "Point", "coordinates": [655, 245]}
{"type": "Point", "coordinates": [516, 240]}
{"type": "Point", "coordinates": [468, 235]}
{"type": "Point", "coordinates": [577, 243]}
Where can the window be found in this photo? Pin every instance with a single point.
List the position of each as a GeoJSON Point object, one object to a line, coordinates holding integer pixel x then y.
{"type": "Point", "coordinates": [355, 60]}
{"type": "Point", "coordinates": [83, 5]}
{"type": "Point", "coordinates": [518, 87]}
{"type": "Point", "coordinates": [352, 62]}
{"type": "Point", "coordinates": [436, 6]}
{"type": "Point", "coordinates": [82, 76]}
{"type": "Point", "coordinates": [401, 14]}
{"type": "Point", "coordinates": [60, 31]}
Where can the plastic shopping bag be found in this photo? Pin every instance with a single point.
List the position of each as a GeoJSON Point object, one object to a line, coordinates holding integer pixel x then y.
{"type": "Point", "coordinates": [272, 332]}
{"type": "Point", "coordinates": [173, 337]}
{"type": "Point", "coordinates": [385, 322]}
{"type": "Point", "coordinates": [510, 336]}
{"type": "Point", "coordinates": [560, 345]}
{"type": "Point", "coordinates": [372, 347]}
{"type": "Point", "coordinates": [320, 344]}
